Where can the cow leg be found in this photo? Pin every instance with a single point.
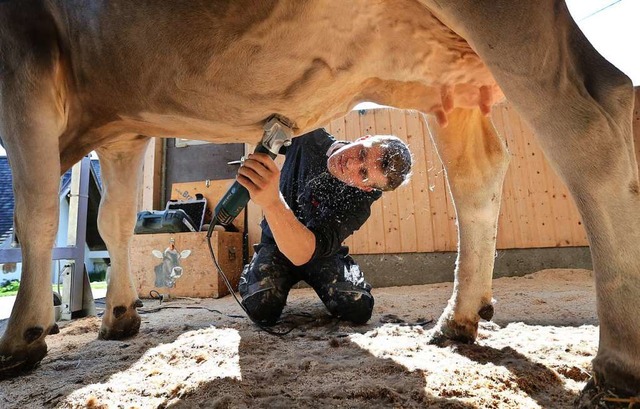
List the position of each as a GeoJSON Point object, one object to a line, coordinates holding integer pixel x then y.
{"type": "Point", "coordinates": [580, 106]}
{"type": "Point", "coordinates": [36, 179]}
{"type": "Point", "coordinates": [475, 160]}
{"type": "Point", "coordinates": [32, 118]}
{"type": "Point", "coordinates": [121, 169]}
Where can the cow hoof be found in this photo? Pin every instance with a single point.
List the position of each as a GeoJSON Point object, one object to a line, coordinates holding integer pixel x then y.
{"type": "Point", "coordinates": [121, 323]}
{"type": "Point", "coordinates": [22, 360]}
{"type": "Point", "coordinates": [486, 312]}
{"type": "Point", "coordinates": [449, 330]}
{"type": "Point", "coordinates": [55, 329]}
{"type": "Point", "coordinates": [595, 397]}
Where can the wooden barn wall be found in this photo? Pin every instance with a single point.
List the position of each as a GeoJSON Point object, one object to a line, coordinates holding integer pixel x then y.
{"type": "Point", "coordinates": [536, 211]}
{"type": "Point", "coordinates": [419, 217]}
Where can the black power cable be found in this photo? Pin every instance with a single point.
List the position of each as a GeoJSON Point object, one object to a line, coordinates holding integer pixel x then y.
{"type": "Point", "coordinates": [231, 290]}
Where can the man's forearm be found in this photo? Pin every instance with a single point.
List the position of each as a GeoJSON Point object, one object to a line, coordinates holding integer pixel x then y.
{"type": "Point", "coordinates": [293, 238]}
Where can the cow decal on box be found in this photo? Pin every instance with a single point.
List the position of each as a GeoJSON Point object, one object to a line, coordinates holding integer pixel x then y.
{"type": "Point", "coordinates": [169, 270]}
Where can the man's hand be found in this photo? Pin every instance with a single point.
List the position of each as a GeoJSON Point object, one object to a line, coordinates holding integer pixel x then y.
{"type": "Point", "coordinates": [260, 175]}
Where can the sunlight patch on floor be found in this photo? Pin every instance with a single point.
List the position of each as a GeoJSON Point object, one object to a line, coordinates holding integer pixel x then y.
{"type": "Point", "coordinates": [506, 357]}
{"type": "Point", "coordinates": [168, 371]}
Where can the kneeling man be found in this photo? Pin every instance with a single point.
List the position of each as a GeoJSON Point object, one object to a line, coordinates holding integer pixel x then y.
{"type": "Point", "coordinates": [323, 194]}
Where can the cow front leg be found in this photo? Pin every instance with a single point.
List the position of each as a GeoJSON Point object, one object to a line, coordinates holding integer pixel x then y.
{"type": "Point", "coordinates": [36, 180]}
{"type": "Point", "coordinates": [475, 160]}
{"type": "Point", "coordinates": [121, 168]}
{"type": "Point", "coordinates": [31, 121]}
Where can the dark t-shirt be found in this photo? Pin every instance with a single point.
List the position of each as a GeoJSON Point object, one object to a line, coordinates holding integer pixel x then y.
{"type": "Point", "coordinates": [331, 209]}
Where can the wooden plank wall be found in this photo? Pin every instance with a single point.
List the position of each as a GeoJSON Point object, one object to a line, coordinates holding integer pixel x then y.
{"type": "Point", "coordinates": [536, 210]}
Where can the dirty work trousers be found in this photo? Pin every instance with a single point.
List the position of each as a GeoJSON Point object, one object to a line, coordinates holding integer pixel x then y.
{"type": "Point", "coordinates": [266, 281]}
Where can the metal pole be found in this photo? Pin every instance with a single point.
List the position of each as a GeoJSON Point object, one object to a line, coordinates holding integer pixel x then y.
{"type": "Point", "coordinates": [77, 231]}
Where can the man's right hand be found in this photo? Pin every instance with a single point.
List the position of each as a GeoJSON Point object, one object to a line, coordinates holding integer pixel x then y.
{"type": "Point", "coordinates": [260, 175]}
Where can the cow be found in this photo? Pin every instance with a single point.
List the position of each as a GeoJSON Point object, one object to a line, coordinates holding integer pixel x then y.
{"type": "Point", "coordinates": [169, 270]}
{"type": "Point", "coordinates": [100, 75]}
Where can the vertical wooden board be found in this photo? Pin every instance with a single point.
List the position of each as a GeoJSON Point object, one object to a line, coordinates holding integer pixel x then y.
{"type": "Point", "coordinates": [508, 223]}
{"type": "Point", "coordinates": [439, 196]}
{"type": "Point", "coordinates": [327, 127]}
{"type": "Point", "coordinates": [382, 121]}
{"type": "Point", "coordinates": [513, 176]}
{"type": "Point", "coordinates": [507, 226]}
{"type": "Point", "coordinates": [375, 224]}
{"type": "Point", "coordinates": [152, 177]}
{"type": "Point", "coordinates": [532, 194]}
{"type": "Point", "coordinates": [548, 209]}
{"type": "Point", "coordinates": [338, 128]}
{"type": "Point", "coordinates": [538, 198]}
{"type": "Point", "coordinates": [420, 183]}
{"type": "Point", "coordinates": [562, 211]}
{"type": "Point", "coordinates": [520, 183]}
{"type": "Point", "coordinates": [405, 199]}
{"type": "Point", "coordinates": [517, 186]}
{"type": "Point", "coordinates": [352, 126]}
{"type": "Point", "coordinates": [391, 219]}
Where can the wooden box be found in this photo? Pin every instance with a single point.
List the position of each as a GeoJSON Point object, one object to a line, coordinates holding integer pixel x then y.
{"type": "Point", "coordinates": [198, 276]}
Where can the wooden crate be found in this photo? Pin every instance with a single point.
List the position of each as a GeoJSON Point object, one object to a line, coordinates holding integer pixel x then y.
{"type": "Point", "coordinates": [200, 276]}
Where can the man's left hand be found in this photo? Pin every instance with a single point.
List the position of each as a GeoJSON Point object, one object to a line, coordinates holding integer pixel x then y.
{"type": "Point", "coordinates": [260, 175]}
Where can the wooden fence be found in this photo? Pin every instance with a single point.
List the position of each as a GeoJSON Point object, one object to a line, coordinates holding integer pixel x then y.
{"type": "Point", "coordinates": [536, 210]}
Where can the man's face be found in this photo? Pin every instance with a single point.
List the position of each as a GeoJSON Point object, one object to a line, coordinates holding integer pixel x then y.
{"type": "Point", "coordinates": [358, 164]}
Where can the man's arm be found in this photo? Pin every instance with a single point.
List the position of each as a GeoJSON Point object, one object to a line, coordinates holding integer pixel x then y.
{"type": "Point", "coordinates": [261, 177]}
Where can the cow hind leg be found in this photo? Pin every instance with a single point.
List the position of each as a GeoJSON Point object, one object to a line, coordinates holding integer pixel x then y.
{"type": "Point", "coordinates": [32, 117]}
{"type": "Point", "coordinates": [580, 106]}
{"type": "Point", "coordinates": [121, 169]}
{"type": "Point", "coordinates": [475, 160]}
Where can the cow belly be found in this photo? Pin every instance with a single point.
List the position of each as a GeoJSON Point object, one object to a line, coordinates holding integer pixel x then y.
{"type": "Point", "coordinates": [217, 71]}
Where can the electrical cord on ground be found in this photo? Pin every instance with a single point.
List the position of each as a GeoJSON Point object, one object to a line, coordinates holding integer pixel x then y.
{"type": "Point", "coordinates": [231, 290]}
{"type": "Point", "coordinates": [157, 296]}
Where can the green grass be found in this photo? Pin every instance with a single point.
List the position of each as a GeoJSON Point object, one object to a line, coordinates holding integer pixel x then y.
{"type": "Point", "coordinates": [99, 285]}
{"type": "Point", "coordinates": [13, 290]}
{"type": "Point", "coordinates": [10, 288]}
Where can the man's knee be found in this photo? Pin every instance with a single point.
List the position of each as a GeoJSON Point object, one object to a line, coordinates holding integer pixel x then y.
{"type": "Point", "coordinates": [264, 301]}
{"type": "Point", "coordinates": [264, 285]}
{"type": "Point", "coordinates": [350, 304]}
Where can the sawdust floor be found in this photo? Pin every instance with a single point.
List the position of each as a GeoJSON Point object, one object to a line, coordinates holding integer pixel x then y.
{"type": "Point", "coordinates": [536, 353]}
